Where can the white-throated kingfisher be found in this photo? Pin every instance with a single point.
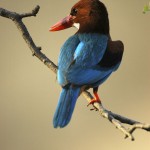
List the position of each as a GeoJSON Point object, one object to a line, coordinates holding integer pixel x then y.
{"type": "Point", "coordinates": [87, 58]}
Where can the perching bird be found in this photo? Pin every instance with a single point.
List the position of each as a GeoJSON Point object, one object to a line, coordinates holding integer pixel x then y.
{"type": "Point", "coordinates": [87, 58]}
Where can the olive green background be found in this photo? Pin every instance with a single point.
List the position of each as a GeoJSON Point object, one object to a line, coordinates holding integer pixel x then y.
{"type": "Point", "coordinates": [29, 90]}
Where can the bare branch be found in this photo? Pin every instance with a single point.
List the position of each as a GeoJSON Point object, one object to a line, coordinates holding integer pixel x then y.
{"type": "Point", "coordinates": [36, 51]}
{"type": "Point", "coordinates": [32, 13]}
{"type": "Point", "coordinates": [115, 119]}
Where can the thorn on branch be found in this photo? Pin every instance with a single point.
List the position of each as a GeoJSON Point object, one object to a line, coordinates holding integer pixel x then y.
{"type": "Point", "coordinates": [39, 48]}
{"type": "Point", "coordinates": [33, 54]}
{"type": "Point", "coordinates": [44, 61]}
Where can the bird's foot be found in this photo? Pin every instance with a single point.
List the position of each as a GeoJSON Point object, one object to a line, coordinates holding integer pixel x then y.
{"type": "Point", "coordinates": [93, 101]}
{"type": "Point", "coordinates": [94, 108]}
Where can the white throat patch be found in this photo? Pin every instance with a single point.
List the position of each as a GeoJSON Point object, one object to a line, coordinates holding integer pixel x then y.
{"type": "Point", "coordinates": [77, 25]}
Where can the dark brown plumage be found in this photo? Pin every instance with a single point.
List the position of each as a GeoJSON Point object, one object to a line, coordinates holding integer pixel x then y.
{"type": "Point", "coordinates": [113, 54]}
{"type": "Point", "coordinates": [92, 16]}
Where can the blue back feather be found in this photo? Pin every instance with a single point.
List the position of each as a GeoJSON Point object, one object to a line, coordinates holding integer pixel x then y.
{"type": "Point", "coordinates": [90, 50]}
{"type": "Point", "coordinates": [86, 50]}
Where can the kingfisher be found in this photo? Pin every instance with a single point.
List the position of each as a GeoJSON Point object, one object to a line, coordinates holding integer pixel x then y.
{"type": "Point", "coordinates": [87, 58]}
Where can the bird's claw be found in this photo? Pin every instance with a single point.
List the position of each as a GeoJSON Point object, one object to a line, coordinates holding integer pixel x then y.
{"type": "Point", "coordinates": [94, 108]}
{"type": "Point", "coordinates": [93, 101]}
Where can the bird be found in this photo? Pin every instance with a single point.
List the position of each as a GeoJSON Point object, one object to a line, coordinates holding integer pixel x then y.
{"type": "Point", "coordinates": [87, 58]}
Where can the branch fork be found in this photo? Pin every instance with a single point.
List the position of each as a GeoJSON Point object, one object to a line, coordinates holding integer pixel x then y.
{"type": "Point", "coordinates": [117, 120]}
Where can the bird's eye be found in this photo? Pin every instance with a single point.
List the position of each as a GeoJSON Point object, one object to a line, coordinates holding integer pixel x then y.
{"type": "Point", "coordinates": [74, 12]}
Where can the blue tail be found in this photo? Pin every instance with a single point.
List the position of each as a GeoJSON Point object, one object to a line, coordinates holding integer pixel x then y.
{"type": "Point", "coordinates": [65, 107]}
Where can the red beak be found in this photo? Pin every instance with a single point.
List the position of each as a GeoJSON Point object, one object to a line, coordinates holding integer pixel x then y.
{"type": "Point", "coordinates": [65, 23]}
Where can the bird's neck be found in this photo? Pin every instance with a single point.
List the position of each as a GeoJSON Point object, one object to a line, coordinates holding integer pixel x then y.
{"type": "Point", "coordinates": [94, 27]}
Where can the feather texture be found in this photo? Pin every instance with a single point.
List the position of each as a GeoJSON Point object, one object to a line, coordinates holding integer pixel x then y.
{"type": "Point", "coordinates": [65, 106]}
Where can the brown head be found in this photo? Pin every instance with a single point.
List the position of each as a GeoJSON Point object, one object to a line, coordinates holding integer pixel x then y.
{"type": "Point", "coordinates": [90, 15]}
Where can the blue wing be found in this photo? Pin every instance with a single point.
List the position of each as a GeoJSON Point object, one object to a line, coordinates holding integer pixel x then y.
{"type": "Point", "coordinates": [66, 57]}
{"type": "Point", "coordinates": [67, 52]}
{"type": "Point", "coordinates": [89, 52]}
{"type": "Point", "coordinates": [79, 57]}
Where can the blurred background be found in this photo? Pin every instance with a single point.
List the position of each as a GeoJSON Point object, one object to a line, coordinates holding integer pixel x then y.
{"type": "Point", "coordinates": [29, 90]}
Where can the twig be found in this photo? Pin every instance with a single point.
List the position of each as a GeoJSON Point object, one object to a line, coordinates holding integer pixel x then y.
{"type": "Point", "coordinates": [115, 119]}
{"type": "Point", "coordinates": [36, 51]}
